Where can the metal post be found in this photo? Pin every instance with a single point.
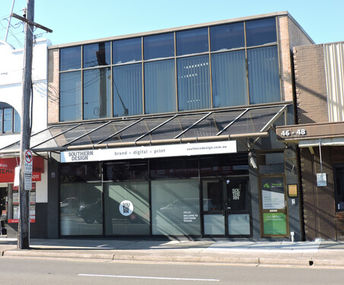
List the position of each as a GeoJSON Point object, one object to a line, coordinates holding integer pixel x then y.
{"type": "Point", "coordinates": [24, 202]}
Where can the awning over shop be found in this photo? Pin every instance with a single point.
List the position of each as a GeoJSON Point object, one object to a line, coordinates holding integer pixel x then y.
{"type": "Point", "coordinates": [215, 125]}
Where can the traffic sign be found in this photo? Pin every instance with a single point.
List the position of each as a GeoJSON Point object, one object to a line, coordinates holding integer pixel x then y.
{"type": "Point", "coordinates": [28, 159]}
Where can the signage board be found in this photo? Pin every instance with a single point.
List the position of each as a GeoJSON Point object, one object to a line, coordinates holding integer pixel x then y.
{"type": "Point", "coordinates": [159, 151]}
{"type": "Point", "coordinates": [321, 179]}
{"type": "Point", "coordinates": [28, 159]}
{"type": "Point", "coordinates": [8, 165]}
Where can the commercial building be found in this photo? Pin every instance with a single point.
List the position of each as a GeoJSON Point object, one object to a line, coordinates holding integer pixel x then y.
{"type": "Point", "coordinates": [319, 73]}
{"type": "Point", "coordinates": [172, 133]}
{"type": "Point", "coordinates": [10, 109]}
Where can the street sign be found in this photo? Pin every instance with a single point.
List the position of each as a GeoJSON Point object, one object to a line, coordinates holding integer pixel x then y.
{"type": "Point", "coordinates": [27, 181]}
{"type": "Point", "coordinates": [28, 159]}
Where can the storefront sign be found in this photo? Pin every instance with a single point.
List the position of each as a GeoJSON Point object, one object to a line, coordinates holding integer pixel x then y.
{"type": "Point", "coordinates": [8, 165]}
{"type": "Point", "coordinates": [275, 223]}
{"type": "Point", "coordinates": [321, 180]}
{"type": "Point", "coordinates": [189, 217]}
{"type": "Point", "coordinates": [273, 193]}
{"type": "Point", "coordinates": [149, 151]}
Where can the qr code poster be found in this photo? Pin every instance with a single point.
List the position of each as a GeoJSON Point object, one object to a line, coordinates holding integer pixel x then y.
{"type": "Point", "coordinates": [126, 208]}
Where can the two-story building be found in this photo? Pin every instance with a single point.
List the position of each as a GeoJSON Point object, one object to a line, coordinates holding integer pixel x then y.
{"type": "Point", "coordinates": [11, 92]}
{"type": "Point", "coordinates": [172, 133]}
{"type": "Point", "coordinates": [319, 74]}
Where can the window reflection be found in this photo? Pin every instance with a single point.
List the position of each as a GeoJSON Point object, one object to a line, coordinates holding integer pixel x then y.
{"type": "Point", "coordinates": [70, 96]}
{"type": "Point", "coordinates": [226, 37]}
{"type": "Point", "coordinates": [158, 46]}
{"type": "Point", "coordinates": [192, 41]}
{"type": "Point", "coordinates": [70, 58]}
{"type": "Point", "coordinates": [127, 50]}
{"type": "Point", "coordinates": [259, 32]}
{"type": "Point", "coordinates": [127, 89]}
{"type": "Point", "coordinates": [97, 54]}
{"type": "Point", "coordinates": [97, 90]}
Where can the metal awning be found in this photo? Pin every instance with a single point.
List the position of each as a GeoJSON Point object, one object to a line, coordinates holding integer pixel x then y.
{"type": "Point", "coordinates": [213, 125]}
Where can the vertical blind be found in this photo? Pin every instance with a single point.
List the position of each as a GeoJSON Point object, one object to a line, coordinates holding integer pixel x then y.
{"type": "Point", "coordinates": [160, 87]}
{"type": "Point", "coordinates": [127, 90]}
{"type": "Point", "coordinates": [193, 83]}
{"type": "Point", "coordinates": [229, 79]}
{"type": "Point", "coordinates": [263, 75]}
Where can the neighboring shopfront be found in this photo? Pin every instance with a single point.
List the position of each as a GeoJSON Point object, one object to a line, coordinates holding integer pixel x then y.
{"type": "Point", "coordinates": [320, 137]}
{"type": "Point", "coordinates": [10, 109]}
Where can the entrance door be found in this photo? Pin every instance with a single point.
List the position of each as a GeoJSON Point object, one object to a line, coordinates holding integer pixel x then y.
{"type": "Point", "coordinates": [226, 207]}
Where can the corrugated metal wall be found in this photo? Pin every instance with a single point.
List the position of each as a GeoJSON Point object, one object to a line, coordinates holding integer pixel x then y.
{"type": "Point", "coordinates": [334, 72]}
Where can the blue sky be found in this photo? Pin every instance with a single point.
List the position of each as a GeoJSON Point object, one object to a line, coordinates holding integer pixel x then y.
{"type": "Point", "coordinates": [78, 20]}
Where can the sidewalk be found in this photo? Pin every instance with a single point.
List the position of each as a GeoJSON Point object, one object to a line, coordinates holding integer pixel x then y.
{"type": "Point", "coordinates": [305, 254]}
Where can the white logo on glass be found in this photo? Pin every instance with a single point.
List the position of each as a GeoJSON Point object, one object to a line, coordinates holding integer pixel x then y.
{"type": "Point", "coordinates": [126, 208]}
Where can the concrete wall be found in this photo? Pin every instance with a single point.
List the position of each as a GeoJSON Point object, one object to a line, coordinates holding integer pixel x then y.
{"type": "Point", "coordinates": [11, 68]}
{"type": "Point", "coordinates": [53, 86]}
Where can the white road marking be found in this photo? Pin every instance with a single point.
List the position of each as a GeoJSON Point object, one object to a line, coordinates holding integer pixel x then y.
{"type": "Point", "coordinates": [147, 277]}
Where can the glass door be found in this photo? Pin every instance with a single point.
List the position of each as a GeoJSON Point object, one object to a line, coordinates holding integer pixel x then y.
{"type": "Point", "coordinates": [226, 207]}
{"type": "Point", "coordinates": [274, 206]}
{"type": "Point", "coordinates": [213, 207]}
{"type": "Point", "coordinates": [237, 208]}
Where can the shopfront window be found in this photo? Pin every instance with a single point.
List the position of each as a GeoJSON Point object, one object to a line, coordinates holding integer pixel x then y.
{"type": "Point", "coordinates": [127, 208]}
{"type": "Point", "coordinates": [175, 207]}
{"type": "Point", "coordinates": [81, 209]}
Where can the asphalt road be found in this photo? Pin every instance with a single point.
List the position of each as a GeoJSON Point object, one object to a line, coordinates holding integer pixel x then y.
{"type": "Point", "coordinates": [59, 271]}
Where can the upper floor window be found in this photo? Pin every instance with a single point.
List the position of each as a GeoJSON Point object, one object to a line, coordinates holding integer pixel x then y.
{"type": "Point", "coordinates": [96, 54]}
{"type": "Point", "coordinates": [9, 119]}
{"type": "Point", "coordinates": [192, 41]}
{"type": "Point", "coordinates": [230, 64]}
{"type": "Point", "coordinates": [70, 58]}
{"type": "Point", "coordinates": [158, 46]}
{"type": "Point", "coordinates": [127, 50]}
{"type": "Point", "coordinates": [262, 31]}
{"type": "Point", "coordinates": [225, 37]}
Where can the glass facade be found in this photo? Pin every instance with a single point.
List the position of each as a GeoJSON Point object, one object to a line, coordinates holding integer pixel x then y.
{"type": "Point", "coordinates": [202, 68]}
{"type": "Point", "coordinates": [143, 197]}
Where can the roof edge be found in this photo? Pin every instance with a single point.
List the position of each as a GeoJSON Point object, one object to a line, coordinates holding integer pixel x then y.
{"type": "Point", "coordinates": [180, 28]}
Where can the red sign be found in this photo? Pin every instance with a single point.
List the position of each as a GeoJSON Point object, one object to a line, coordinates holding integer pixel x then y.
{"type": "Point", "coordinates": [7, 166]}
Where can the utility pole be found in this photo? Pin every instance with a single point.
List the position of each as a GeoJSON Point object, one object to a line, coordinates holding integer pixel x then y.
{"type": "Point", "coordinates": [25, 178]}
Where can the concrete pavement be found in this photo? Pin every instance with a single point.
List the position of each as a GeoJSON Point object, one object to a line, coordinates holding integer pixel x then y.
{"type": "Point", "coordinates": [270, 253]}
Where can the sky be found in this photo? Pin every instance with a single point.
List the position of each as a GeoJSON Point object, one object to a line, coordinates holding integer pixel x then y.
{"type": "Point", "coordinates": [80, 20]}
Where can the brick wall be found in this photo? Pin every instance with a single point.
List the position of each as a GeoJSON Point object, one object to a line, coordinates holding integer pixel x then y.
{"type": "Point", "coordinates": [320, 217]}
{"type": "Point", "coordinates": [310, 82]}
